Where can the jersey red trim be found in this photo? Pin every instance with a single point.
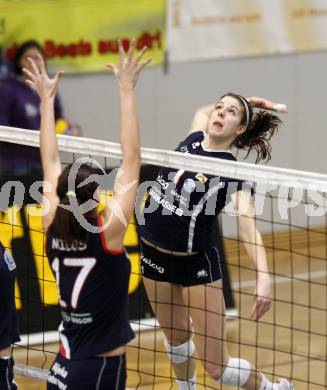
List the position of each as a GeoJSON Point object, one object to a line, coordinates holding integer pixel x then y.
{"type": "Point", "coordinates": [104, 242]}
{"type": "Point", "coordinates": [62, 351]}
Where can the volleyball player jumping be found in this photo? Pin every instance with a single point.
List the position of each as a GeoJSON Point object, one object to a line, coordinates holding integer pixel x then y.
{"type": "Point", "coordinates": [91, 269]}
{"type": "Point", "coordinates": [180, 264]}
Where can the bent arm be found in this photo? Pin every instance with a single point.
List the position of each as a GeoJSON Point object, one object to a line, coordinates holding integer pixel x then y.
{"type": "Point", "coordinates": [201, 118]}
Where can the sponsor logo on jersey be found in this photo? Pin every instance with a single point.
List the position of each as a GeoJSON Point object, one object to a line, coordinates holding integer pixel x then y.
{"type": "Point", "coordinates": [202, 273]}
{"type": "Point", "coordinates": [149, 262]}
{"type": "Point", "coordinates": [75, 318]}
{"type": "Point", "coordinates": [189, 185]}
{"type": "Point", "coordinates": [159, 198]}
{"type": "Point", "coordinates": [9, 260]}
{"type": "Point", "coordinates": [162, 182]}
{"type": "Point", "coordinates": [201, 177]}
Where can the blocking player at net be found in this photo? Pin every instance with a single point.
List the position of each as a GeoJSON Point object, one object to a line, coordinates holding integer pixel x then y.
{"type": "Point", "coordinates": [86, 254]}
{"type": "Point", "coordinates": [180, 265]}
{"type": "Point", "coordinates": [8, 319]}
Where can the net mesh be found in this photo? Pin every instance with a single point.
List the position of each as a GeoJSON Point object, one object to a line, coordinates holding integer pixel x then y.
{"type": "Point", "coordinates": [289, 341]}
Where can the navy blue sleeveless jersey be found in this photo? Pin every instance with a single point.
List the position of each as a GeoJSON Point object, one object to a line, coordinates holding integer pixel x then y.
{"type": "Point", "coordinates": [181, 206]}
{"type": "Point", "coordinates": [8, 319]}
{"type": "Point", "coordinates": [93, 288]}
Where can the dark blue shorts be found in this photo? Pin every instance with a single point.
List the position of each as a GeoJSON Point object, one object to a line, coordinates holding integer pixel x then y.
{"type": "Point", "coordinates": [98, 373]}
{"type": "Point", "coordinates": [192, 270]}
{"type": "Point", "coordinates": [7, 374]}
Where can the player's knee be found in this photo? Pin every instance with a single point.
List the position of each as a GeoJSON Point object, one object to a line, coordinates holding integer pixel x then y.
{"type": "Point", "coordinates": [180, 353]}
{"type": "Point", "coordinates": [215, 372]}
{"type": "Point", "coordinates": [236, 373]}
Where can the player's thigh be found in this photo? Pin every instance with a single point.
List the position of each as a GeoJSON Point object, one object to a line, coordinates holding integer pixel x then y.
{"type": "Point", "coordinates": [172, 313]}
{"type": "Point", "coordinates": [207, 310]}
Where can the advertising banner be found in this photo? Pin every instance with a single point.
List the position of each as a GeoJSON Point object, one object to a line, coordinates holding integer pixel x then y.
{"type": "Point", "coordinates": [212, 29]}
{"type": "Point", "coordinates": [81, 35]}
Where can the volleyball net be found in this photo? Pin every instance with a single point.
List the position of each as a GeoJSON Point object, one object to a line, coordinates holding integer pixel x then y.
{"type": "Point", "coordinates": [291, 214]}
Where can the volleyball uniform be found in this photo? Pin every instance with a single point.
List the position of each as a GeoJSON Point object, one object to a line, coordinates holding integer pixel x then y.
{"type": "Point", "coordinates": [179, 213]}
{"type": "Point", "coordinates": [8, 319]}
{"type": "Point", "coordinates": [93, 287]}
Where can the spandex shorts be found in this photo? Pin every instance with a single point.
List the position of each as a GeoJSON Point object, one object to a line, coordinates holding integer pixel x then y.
{"type": "Point", "coordinates": [98, 373]}
{"type": "Point", "coordinates": [192, 270]}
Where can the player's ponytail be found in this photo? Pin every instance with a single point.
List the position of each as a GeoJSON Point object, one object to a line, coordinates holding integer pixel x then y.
{"type": "Point", "coordinates": [258, 134]}
{"type": "Point", "coordinates": [65, 225]}
{"type": "Point", "coordinates": [260, 127]}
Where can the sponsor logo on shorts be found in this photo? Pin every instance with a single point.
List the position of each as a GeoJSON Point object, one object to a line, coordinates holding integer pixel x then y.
{"type": "Point", "coordinates": [195, 144]}
{"type": "Point", "coordinates": [149, 262]}
{"type": "Point", "coordinates": [184, 149]}
{"type": "Point", "coordinates": [202, 273]}
{"type": "Point", "coordinates": [58, 370]}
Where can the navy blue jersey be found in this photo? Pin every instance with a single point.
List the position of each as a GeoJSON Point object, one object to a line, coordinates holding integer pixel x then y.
{"type": "Point", "coordinates": [93, 289]}
{"type": "Point", "coordinates": [8, 319]}
{"type": "Point", "coordinates": [187, 203]}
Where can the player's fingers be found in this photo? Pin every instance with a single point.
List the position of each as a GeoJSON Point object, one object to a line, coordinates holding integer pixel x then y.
{"type": "Point", "coordinates": [144, 64]}
{"type": "Point", "coordinates": [41, 62]}
{"type": "Point", "coordinates": [112, 67]}
{"type": "Point", "coordinates": [29, 74]}
{"type": "Point", "coordinates": [279, 107]}
{"type": "Point", "coordinates": [58, 75]}
{"type": "Point", "coordinates": [121, 51]}
{"type": "Point", "coordinates": [30, 83]}
{"type": "Point", "coordinates": [131, 49]}
{"type": "Point", "coordinates": [139, 56]}
{"type": "Point", "coordinates": [253, 314]}
{"type": "Point", "coordinates": [36, 70]}
{"type": "Point", "coordinates": [262, 306]}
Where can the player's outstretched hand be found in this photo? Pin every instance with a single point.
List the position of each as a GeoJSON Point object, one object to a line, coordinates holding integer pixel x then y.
{"type": "Point", "coordinates": [38, 79]}
{"type": "Point", "coordinates": [128, 70]}
{"type": "Point", "coordinates": [265, 104]}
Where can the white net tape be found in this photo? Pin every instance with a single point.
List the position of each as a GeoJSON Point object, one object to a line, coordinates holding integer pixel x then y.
{"type": "Point", "coordinates": [239, 170]}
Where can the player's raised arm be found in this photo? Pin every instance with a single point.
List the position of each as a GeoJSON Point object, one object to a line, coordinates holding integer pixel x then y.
{"type": "Point", "coordinates": [120, 208]}
{"type": "Point", "coordinates": [46, 87]}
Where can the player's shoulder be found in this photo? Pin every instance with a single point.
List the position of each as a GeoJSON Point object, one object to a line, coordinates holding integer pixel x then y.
{"type": "Point", "coordinates": [195, 136]}
{"type": "Point", "coordinates": [192, 138]}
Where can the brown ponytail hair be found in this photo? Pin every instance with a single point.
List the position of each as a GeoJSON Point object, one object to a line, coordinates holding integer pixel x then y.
{"type": "Point", "coordinates": [65, 226]}
{"type": "Point", "coordinates": [261, 126]}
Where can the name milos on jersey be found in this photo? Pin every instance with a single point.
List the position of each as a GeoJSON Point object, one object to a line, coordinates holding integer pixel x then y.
{"type": "Point", "coordinates": [62, 245]}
